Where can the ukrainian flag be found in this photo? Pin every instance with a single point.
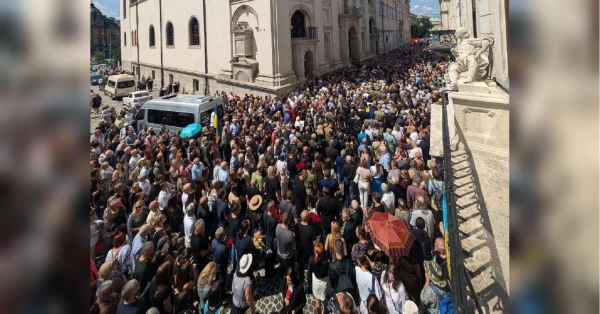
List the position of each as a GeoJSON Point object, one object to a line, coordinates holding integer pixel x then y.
{"type": "Point", "coordinates": [217, 124]}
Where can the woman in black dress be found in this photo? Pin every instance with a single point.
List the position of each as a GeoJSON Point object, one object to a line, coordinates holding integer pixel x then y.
{"type": "Point", "coordinates": [292, 290]}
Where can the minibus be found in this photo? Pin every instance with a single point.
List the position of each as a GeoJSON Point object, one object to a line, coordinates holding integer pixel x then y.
{"type": "Point", "coordinates": [118, 86]}
{"type": "Point", "coordinates": [178, 111]}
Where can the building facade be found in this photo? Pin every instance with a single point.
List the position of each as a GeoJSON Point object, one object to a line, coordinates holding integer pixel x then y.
{"type": "Point", "coordinates": [484, 18]}
{"type": "Point", "coordinates": [252, 46]}
{"type": "Point", "coordinates": [437, 24]}
{"type": "Point", "coordinates": [104, 32]}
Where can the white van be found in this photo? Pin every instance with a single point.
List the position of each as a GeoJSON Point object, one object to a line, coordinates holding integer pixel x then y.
{"type": "Point", "coordinates": [97, 67]}
{"type": "Point", "coordinates": [119, 85]}
{"type": "Point", "coordinates": [178, 111]}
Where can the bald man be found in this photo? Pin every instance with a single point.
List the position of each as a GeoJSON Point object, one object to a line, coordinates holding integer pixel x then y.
{"type": "Point", "coordinates": [252, 190]}
{"type": "Point", "coordinates": [439, 256]}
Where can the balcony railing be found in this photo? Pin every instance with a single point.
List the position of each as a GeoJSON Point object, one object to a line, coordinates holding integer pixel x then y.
{"type": "Point", "coordinates": [305, 33]}
{"type": "Point", "coordinates": [348, 10]}
{"type": "Point", "coordinates": [374, 31]}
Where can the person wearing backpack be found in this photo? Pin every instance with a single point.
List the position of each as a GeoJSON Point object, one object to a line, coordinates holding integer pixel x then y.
{"type": "Point", "coordinates": [436, 296]}
{"type": "Point", "coordinates": [341, 272]}
{"type": "Point", "coordinates": [436, 187]}
{"type": "Point", "coordinates": [366, 282]}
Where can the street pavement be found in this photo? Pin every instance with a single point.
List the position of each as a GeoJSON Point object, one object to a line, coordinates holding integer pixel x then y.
{"type": "Point", "coordinates": [106, 100]}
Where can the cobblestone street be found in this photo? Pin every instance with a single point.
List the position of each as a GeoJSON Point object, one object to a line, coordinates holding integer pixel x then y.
{"type": "Point", "coordinates": [268, 294]}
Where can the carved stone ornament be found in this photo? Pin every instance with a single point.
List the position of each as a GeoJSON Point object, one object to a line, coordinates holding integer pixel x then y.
{"type": "Point", "coordinates": [472, 59]}
{"type": "Point", "coordinates": [243, 39]}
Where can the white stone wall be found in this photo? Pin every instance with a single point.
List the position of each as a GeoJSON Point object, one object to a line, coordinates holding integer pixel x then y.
{"type": "Point", "coordinates": [270, 21]}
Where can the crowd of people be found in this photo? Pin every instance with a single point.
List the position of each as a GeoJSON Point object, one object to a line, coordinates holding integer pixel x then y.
{"type": "Point", "coordinates": [186, 225]}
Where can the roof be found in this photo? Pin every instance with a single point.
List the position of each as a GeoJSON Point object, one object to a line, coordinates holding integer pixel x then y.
{"type": "Point", "coordinates": [191, 101]}
{"type": "Point", "coordinates": [184, 98]}
{"type": "Point", "coordinates": [94, 12]}
{"type": "Point", "coordinates": [122, 76]}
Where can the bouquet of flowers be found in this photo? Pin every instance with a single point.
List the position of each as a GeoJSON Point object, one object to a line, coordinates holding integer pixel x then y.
{"type": "Point", "coordinates": [315, 221]}
{"type": "Point", "coordinates": [314, 218]}
{"type": "Point", "coordinates": [229, 243]}
{"type": "Point", "coordinates": [258, 240]}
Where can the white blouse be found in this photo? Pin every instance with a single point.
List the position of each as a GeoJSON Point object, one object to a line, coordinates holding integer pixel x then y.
{"type": "Point", "coordinates": [375, 174]}
{"type": "Point", "coordinates": [394, 299]}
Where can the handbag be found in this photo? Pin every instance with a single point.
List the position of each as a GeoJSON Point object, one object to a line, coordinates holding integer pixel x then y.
{"type": "Point", "coordinates": [356, 177]}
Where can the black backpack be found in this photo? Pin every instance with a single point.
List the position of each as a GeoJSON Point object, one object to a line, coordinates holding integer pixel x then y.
{"type": "Point", "coordinates": [344, 283]}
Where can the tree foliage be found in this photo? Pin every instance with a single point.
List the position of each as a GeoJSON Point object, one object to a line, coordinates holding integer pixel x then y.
{"type": "Point", "coordinates": [99, 56]}
{"type": "Point", "coordinates": [421, 27]}
{"type": "Point", "coordinates": [116, 56]}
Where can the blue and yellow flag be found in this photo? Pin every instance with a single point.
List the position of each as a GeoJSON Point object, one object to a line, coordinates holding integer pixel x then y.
{"type": "Point", "coordinates": [217, 124]}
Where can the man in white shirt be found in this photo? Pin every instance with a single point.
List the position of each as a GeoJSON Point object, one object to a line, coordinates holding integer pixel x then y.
{"type": "Point", "coordinates": [123, 131]}
{"type": "Point", "coordinates": [144, 184]}
{"type": "Point", "coordinates": [216, 171]}
{"type": "Point", "coordinates": [397, 133]}
{"type": "Point", "coordinates": [388, 199]}
{"type": "Point", "coordinates": [413, 134]}
{"type": "Point", "coordinates": [188, 223]}
{"type": "Point", "coordinates": [135, 157]}
{"type": "Point", "coordinates": [164, 196]}
{"type": "Point", "coordinates": [414, 150]}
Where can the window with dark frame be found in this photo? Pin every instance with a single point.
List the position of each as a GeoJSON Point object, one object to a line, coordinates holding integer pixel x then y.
{"type": "Point", "coordinates": [152, 37]}
{"type": "Point", "coordinates": [194, 32]}
{"type": "Point", "coordinates": [170, 36]}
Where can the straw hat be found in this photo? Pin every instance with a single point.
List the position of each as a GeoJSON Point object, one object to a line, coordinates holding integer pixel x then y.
{"type": "Point", "coordinates": [255, 202]}
{"type": "Point", "coordinates": [410, 307]}
{"type": "Point", "coordinates": [245, 263]}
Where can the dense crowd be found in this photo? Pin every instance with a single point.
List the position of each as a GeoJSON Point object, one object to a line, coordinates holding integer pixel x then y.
{"type": "Point", "coordinates": [186, 225]}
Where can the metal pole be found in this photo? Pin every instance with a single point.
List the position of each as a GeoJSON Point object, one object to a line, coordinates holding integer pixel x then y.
{"type": "Point", "coordinates": [137, 44]}
{"type": "Point", "coordinates": [206, 88]}
{"type": "Point", "coordinates": [162, 71]}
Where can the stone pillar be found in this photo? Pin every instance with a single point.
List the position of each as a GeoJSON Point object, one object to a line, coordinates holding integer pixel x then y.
{"type": "Point", "coordinates": [344, 49]}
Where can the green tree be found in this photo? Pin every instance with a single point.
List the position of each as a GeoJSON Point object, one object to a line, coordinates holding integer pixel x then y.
{"type": "Point", "coordinates": [116, 56]}
{"type": "Point", "coordinates": [99, 56]}
{"type": "Point", "coordinates": [421, 27]}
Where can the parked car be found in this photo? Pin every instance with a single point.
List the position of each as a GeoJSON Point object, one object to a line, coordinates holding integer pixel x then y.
{"type": "Point", "coordinates": [136, 99]}
{"type": "Point", "coordinates": [95, 77]}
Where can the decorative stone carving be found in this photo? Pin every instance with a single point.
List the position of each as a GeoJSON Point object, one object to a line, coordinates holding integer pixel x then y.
{"type": "Point", "coordinates": [242, 77]}
{"type": "Point", "coordinates": [471, 59]}
{"type": "Point", "coordinates": [243, 39]}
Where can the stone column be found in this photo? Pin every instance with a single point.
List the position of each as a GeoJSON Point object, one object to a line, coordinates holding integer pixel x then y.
{"type": "Point", "coordinates": [344, 49]}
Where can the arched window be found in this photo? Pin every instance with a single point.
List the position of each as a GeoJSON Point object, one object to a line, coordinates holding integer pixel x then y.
{"type": "Point", "coordinates": [124, 9]}
{"type": "Point", "coordinates": [170, 38]}
{"type": "Point", "coordinates": [124, 39]}
{"type": "Point", "coordinates": [152, 37]}
{"type": "Point", "coordinates": [194, 32]}
{"type": "Point", "coordinates": [298, 25]}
